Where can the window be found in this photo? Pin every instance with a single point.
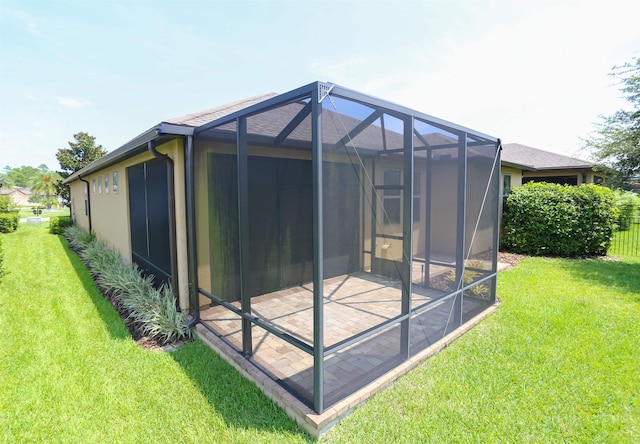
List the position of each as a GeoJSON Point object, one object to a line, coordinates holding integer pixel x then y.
{"type": "Point", "coordinates": [106, 184]}
{"type": "Point", "coordinates": [391, 196]}
{"type": "Point", "coordinates": [115, 182]}
{"type": "Point", "coordinates": [598, 180]}
{"type": "Point", "coordinates": [99, 184]}
{"type": "Point", "coordinates": [506, 184]}
{"type": "Point", "coordinates": [94, 186]}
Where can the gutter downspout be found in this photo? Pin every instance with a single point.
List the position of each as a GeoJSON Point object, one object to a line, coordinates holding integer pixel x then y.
{"type": "Point", "coordinates": [192, 253]}
{"type": "Point", "coordinates": [172, 215]}
{"type": "Point", "coordinates": [88, 201]}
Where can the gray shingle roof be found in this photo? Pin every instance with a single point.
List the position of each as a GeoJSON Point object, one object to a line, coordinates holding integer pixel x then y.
{"type": "Point", "coordinates": [209, 115]}
{"type": "Point", "coordinates": [515, 153]}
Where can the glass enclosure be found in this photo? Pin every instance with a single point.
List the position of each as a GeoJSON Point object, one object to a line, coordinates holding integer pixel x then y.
{"type": "Point", "coordinates": [339, 234]}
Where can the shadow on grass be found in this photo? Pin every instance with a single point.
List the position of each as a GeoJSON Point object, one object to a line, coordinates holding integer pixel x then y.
{"type": "Point", "coordinates": [110, 317]}
{"type": "Point", "coordinates": [238, 400]}
{"type": "Point", "coordinates": [623, 276]}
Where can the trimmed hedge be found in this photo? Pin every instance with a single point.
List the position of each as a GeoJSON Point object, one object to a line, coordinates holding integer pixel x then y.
{"type": "Point", "coordinates": [544, 219]}
{"type": "Point", "coordinates": [8, 222]}
{"type": "Point", "coordinates": [57, 224]}
{"type": "Point", "coordinates": [1, 260]}
{"type": "Point", "coordinates": [627, 202]}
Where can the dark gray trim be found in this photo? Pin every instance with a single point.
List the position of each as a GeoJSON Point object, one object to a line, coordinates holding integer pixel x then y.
{"type": "Point", "coordinates": [161, 133]}
{"type": "Point", "coordinates": [293, 124]}
{"type": "Point", "coordinates": [171, 202]}
{"type": "Point", "coordinates": [393, 107]}
{"type": "Point", "coordinates": [243, 233]}
{"type": "Point", "coordinates": [461, 227]}
{"type": "Point", "coordinates": [318, 255]}
{"type": "Point", "coordinates": [192, 253]}
{"type": "Point", "coordinates": [407, 234]}
{"type": "Point", "coordinates": [274, 102]}
{"type": "Point", "coordinates": [88, 188]}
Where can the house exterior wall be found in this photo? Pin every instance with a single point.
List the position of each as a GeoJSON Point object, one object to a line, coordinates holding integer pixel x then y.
{"type": "Point", "coordinates": [110, 210]}
{"type": "Point", "coordinates": [17, 196]}
{"type": "Point", "coordinates": [583, 175]}
{"type": "Point", "coordinates": [514, 173]}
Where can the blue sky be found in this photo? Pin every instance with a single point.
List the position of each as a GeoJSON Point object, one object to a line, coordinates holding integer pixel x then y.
{"type": "Point", "coordinates": [532, 72]}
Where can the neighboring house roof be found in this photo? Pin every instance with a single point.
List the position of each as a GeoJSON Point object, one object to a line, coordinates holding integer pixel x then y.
{"type": "Point", "coordinates": [16, 190]}
{"type": "Point", "coordinates": [517, 155]}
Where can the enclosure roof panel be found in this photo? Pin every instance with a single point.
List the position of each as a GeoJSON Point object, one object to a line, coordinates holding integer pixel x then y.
{"type": "Point", "coordinates": [515, 153]}
{"type": "Point", "coordinates": [201, 121]}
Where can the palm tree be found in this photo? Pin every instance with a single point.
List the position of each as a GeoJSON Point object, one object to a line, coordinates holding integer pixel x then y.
{"type": "Point", "coordinates": [44, 184]}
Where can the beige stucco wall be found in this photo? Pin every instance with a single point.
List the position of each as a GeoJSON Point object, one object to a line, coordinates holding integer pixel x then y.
{"type": "Point", "coordinates": [110, 210]}
{"type": "Point", "coordinates": [516, 177]}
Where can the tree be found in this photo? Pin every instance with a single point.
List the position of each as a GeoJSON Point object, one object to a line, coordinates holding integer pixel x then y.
{"type": "Point", "coordinates": [45, 185]}
{"type": "Point", "coordinates": [23, 176]}
{"type": "Point", "coordinates": [617, 143]}
{"type": "Point", "coordinates": [79, 154]}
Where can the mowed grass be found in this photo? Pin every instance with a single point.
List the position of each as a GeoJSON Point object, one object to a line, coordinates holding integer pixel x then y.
{"type": "Point", "coordinates": [28, 212]}
{"type": "Point", "coordinates": [558, 362]}
{"type": "Point", "coordinates": [70, 372]}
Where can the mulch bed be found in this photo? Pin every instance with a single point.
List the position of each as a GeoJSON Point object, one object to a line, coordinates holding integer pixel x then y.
{"type": "Point", "coordinates": [510, 258]}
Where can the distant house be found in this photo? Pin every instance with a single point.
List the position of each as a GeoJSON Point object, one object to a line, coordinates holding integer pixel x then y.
{"type": "Point", "coordinates": [521, 164]}
{"type": "Point", "coordinates": [18, 195]}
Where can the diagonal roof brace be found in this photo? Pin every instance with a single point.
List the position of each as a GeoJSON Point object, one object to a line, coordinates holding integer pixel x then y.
{"type": "Point", "coordinates": [293, 124]}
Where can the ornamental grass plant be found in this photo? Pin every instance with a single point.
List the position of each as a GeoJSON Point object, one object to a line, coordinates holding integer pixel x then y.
{"type": "Point", "coordinates": [152, 310]}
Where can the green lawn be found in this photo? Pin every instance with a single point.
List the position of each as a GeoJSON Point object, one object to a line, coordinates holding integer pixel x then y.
{"type": "Point", "coordinates": [69, 371]}
{"type": "Point", "coordinates": [558, 362]}
{"type": "Point", "coordinates": [28, 212]}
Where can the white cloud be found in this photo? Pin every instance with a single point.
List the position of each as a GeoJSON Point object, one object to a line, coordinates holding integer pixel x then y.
{"type": "Point", "coordinates": [68, 102]}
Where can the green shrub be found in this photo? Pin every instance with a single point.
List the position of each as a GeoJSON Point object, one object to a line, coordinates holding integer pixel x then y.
{"type": "Point", "coordinates": [559, 220]}
{"type": "Point", "coordinates": [7, 206]}
{"type": "Point", "coordinates": [8, 222]}
{"type": "Point", "coordinates": [627, 202]}
{"type": "Point", "coordinates": [57, 224]}
{"type": "Point", "coordinates": [1, 260]}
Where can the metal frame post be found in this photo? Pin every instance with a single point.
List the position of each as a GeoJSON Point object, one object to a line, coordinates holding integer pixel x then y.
{"type": "Point", "coordinates": [243, 233]}
{"type": "Point", "coordinates": [407, 235]}
{"type": "Point", "coordinates": [461, 227]}
{"type": "Point", "coordinates": [318, 256]}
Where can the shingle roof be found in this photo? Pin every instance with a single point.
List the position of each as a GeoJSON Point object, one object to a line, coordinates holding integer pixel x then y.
{"type": "Point", "coordinates": [209, 115]}
{"type": "Point", "coordinates": [518, 154]}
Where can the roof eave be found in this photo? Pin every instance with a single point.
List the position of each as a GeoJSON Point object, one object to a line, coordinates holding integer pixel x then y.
{"type": "Point", "coordinates": [131, 148]}
{"type": "Point", "coordinates": [565, 167]}
{"type": "Point", "coordinates": [518, 166]}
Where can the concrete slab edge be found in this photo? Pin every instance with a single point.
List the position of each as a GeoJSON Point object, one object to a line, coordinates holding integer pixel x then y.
{"type": "Point", "coordinates": [315, 424]}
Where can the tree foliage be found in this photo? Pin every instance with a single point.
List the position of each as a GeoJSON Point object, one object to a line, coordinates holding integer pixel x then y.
{"type": "Point", "coordinates": [617, 143]}
{"type": "Point", "coordinates": [21, 176]}
{"type": "Point", "coordinates": [80, 153]}
{"type": "Point", "coordinates": [45, 185]}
